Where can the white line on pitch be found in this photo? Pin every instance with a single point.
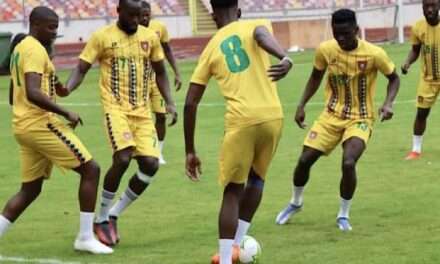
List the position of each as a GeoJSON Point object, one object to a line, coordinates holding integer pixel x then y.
{"type": "Point", "coordinates": [40, 261]}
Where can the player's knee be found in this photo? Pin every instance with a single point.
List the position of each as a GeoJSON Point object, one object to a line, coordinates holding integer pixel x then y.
{"type": "Point", "coordinates": [161, 118]}
{"type": "Point", "coordinates": [255, 181]}
{"type": "Point", "coordinates": [348, 164]}
{"type": "Point", "coordinates": [149, 165]}
{"type": "Point", "coordinates": [422, 114]}
{"type": "Point", "coordinates": [305, 162]}
{"type": "Point", "coordinates": [93, 169]}
{"type": "Point", "coordinates": [122, 160]}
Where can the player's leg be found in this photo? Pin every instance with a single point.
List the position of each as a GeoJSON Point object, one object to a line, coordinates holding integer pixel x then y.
{"type": "Point", "coordinates": [352, 151]}
{"type": "Point", "coordinates": [161, 132]}
{"type": "Point", "coordinates": [148, 166]}
{"type": "Point", "coordinates": [419, 130]}
{"type": "Point", "coordinates": [235, 165]}
{"type": "Point", "coordinates": [322, 138]}
{"type": "Point", "coordinates": [146, 153]}
{"type": "Point", "coordinates": [88, 188]}
{"type": "Point", "coordinates": [29, 191]}
{"type": "Point", "coordinates": [426, 97]}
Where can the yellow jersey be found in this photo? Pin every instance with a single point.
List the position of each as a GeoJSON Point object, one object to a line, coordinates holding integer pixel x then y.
{"type": "Point", "coordinates": [240, 67]}
{"type": "Point", "coordinates": [351, 78]}
{"type": "Point", "coordinates": [30, 56]}
{"type": "Point", "coordinates": [124, 67]}
{"type": "Point", "coordinates": [429, 38]}
{"type": "Point", "coordinates": [162, 32]}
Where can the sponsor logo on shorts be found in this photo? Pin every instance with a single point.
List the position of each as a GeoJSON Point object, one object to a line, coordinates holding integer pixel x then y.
{"type": "Point", "coordinates": [127, 135]}
{"type": "Point", "coordinates": [420, 99]}
{"type": "Point", "coordinates": [363, 126]}
{"type": "Point", "coordinates": [333, 61]}
{"type": "Point", "coordinates": [313, 135]}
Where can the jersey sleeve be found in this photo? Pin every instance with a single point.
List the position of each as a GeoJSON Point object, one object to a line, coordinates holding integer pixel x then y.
{"type": "Point", "coordinates": [383, 62]}
{"type": "Point", "coordinates": [415, 39]}
{"type": "Point", "coordinates": [164, 37]}
{"type": "Point", "coordinates": [320, 62]}
{"type": "Point", "coordinates": [156, 50]}
{"type": "Point", "coordinates": [34, 60]}
{"type": "Point", "coordinates": [92, 49]}
{"type": "Point", "coordinates": [202, 73]}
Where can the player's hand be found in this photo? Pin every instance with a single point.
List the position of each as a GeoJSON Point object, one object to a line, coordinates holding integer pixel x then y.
{"type": "Point", "coordinates": [61, 90]}
{"type": "Point", "coordinates": [386, 113]}
{"type": "Point", "coordinates": [280, 70]}
{"type": "Point", "coordinates": [405, 68]}
{"type": "Point", "coordinates": [193, 167]}
{"type": "Point", "coordinates": [177, 82]}
{"type": "Point", "coordinates": [171, 110]}
{"type": "Point", "coordinates": [300, 117]}
{"type": "Point", "coordinates": [74, 119]}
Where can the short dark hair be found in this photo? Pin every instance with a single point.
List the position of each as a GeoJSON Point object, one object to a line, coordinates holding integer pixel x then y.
{"type": "Point", "coordinates": [124, 2]}
{"type": "Point", "coordinates": [145, 4]}
{"type": "Point", "coordinates": [223, 3]}
{"type": "Point", "coordinates": [41, 13]}
{"type": "Point", "coordinates": [344, 16]}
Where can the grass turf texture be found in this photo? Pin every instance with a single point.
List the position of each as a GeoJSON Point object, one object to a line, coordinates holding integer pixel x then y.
{"type": "Point", "coordinates": [394, 215]}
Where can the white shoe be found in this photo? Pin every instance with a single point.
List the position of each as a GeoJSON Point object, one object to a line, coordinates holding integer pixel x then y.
{"type": "Point", "coordinates": [92, 245]}
{"type": "Point", "coordinates": [162, 161]}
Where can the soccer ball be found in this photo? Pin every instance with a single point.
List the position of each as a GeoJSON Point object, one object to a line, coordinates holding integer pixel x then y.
{"type": "Point", "coordinates": [250, 250]}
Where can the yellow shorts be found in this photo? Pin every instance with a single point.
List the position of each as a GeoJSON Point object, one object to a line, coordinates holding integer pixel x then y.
{"type": "Point", "coordinates": [246, 148]}
{"type": "Point", "coordinates": [44, 146]}
{"type": "Point", "coordinates": [427, 94]}
{"type": "Point", "coordinates": [156, 101]}
{"type": "Point", "coordinates": [329, 130]}
{"type": "Point", "coordinates": [132, 131]}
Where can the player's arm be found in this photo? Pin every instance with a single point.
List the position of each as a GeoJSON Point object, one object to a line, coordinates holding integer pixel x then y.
{"type": "Point", "coordinates": [386, 111]}
{"type": "Point", "coordinates": [164, 88]}
{"type": "Point", "coordinates": [312, 86]}
{"type": "Point", "coordinates": [35, 96]}
{"type": "Point", "coordinates": [193, 97]}
{"type": "Point", "coordinates": [413, 55]}
{"type": "Point", "coordinates": [11, 92]}
{"type": "Point", "coordinates": [267, 42]}
{"type": "Point", "coordinates": [76, 77]}
{"type": "Point", "coordinates": [172, 60]}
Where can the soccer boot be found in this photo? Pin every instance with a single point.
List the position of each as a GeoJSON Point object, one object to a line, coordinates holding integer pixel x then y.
{"type": "Point", "coordinates": [413, 155]}
{"type": "Point", "coordinates": [91, 245]}
{"type": "Point", "coordinates": [235, 256]}
{"type": "Point", "coordinates": [114, 229]}
{"type": "Point", "coordinates": [287, 212]}
{"type": "Point", "coordinates": [103, 232]}
{"type": "Point", "coordinates": [343, 224]}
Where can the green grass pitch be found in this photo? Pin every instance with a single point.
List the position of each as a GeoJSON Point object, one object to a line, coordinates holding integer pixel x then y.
{"type": "Point", "coordinates": [394, 215]}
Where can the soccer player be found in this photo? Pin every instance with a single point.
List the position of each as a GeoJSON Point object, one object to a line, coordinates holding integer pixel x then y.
{"type": "Point", "coordinates": [43, 138]}
{"type": "Point", "coordinates": [124, 52]}
{"type": "Point", "coordinates": [352, 66]}
{"type": "Point", "coordinates": [425, 39]}
{"type": "Point", "coordinates": [156, 101]}
{"type": "Point", "coordinates": [237, 57]}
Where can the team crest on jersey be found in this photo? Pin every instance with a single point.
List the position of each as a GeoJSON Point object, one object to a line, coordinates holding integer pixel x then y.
{"type": "Point", "coordinates": [114, 45]}
{"type": "Point", "coordinates": [313, 135]}
{"type": "Point", "coordinates": [145, 45]}
{"type": "Point", "coordinates": [158, 33]}
{"type": "Point", "coordinates": [333, 61]}
{"type": "Point", "coordinates": [362, 65]}
{"type": "Point", "coordinates": [127, 135]}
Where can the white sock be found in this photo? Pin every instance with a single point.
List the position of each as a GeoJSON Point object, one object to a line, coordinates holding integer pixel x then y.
{"type": "Point", "coordinates": [161, 147]}
{"type": "Point", "coordinates": [126, 199]}
{"type": "Point", "coordinates": [242, 230]}
{"type": "Point", "coordinates": [297, 196]}
{"type": "Point", "coordinates": [226, 251]}
{"type": "Point", "coordinates": [417, 143]}
{"type": "Point", "coordinates": [106, 202]}
{"type": "Point", "coordinates": [85, 225]}
{"type": "Point", "coordinates": [344, 210]}
{"type": "Point", "coordinates": [4, 225]}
